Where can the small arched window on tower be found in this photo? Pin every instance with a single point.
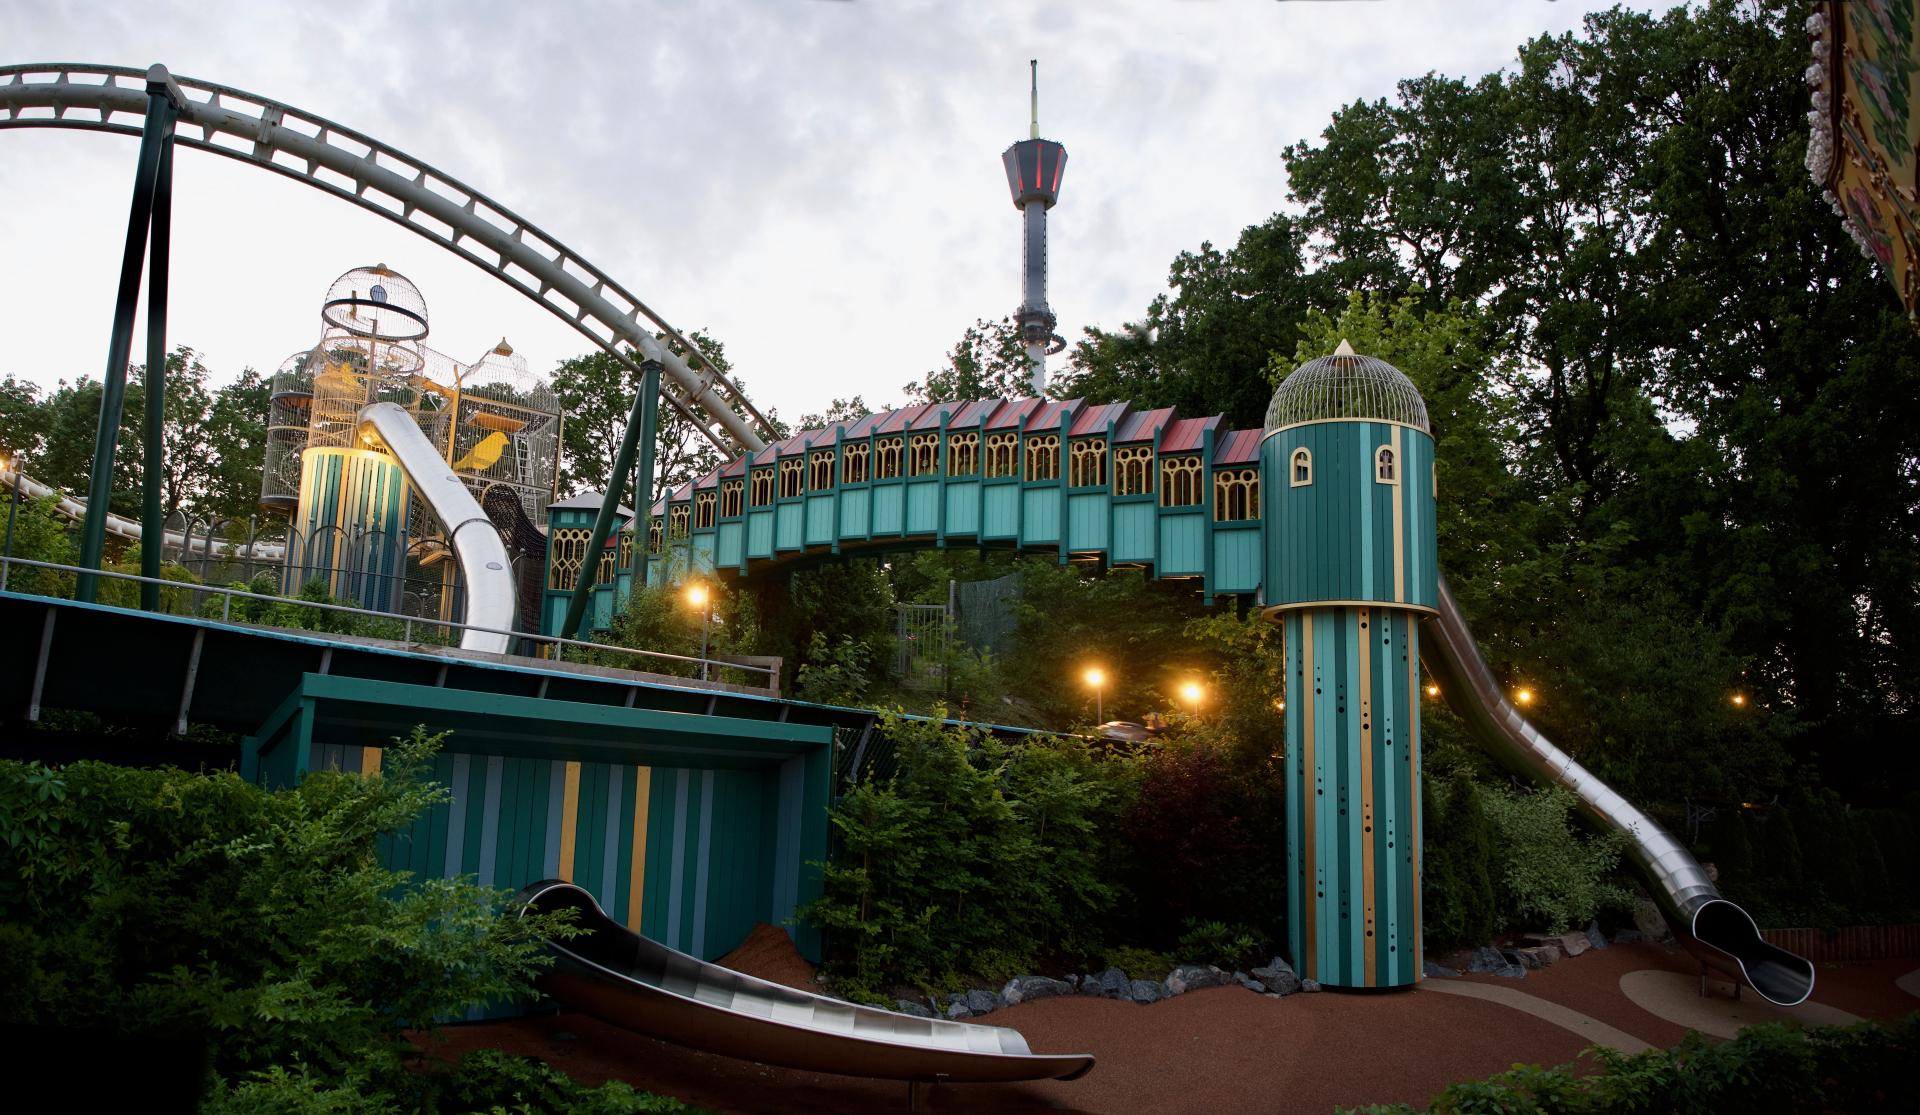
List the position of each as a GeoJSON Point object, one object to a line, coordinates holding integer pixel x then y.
{"type": "Point", "coordinates": [1302, 469]}
{"type": "Point", "coordinates": [1383, 466]}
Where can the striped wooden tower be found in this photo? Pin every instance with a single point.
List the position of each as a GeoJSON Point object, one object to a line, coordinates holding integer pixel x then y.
{"type": "Point", "coordinates": [1347, 483]}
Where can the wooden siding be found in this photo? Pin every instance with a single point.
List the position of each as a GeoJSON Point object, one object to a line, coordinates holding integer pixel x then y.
{"type": "Point", "coordinates": [1345, 535]}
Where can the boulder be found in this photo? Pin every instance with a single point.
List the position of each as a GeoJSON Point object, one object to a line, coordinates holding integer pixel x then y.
{"type": "Point", "coordinates": [982, 1002]}
{"type": "Point", "coordinates": [1147, 991]}
{"type": "Point", "coordinates": [1309, 986]}
{"type": "Point", "coordinates": [1073, 981]}
{"type": "Point", "coordinates": [1438, 971]}
{"type": "Point", "coordinates": [1251, 984]}
{"type": "Point", "coordinates": [1595, 938]}
{"type": "Point", "coordinates": [1114, 984]}
{"type": "Point", "coordinates": [1573, 944]}
{"type": "Point", "coordinates": [1490, 960]}
{"type": "Point", "coordinates": [1193, 977]}
{"type": "Point", "coordinates": [1278, 977]}
{"type": "Point", "coordinates": [908, 1006]}
{"type": "Point", "coordinates": [1022, 989]}
{"type": "Point", "coordinates": [957, 1009]}
{"type": "Point", "coordinates": [1535, 956]}
{"type": "Point", "coordinates": [1649, 921]}
{"type": "Point", "coordinates": [1626, 936]}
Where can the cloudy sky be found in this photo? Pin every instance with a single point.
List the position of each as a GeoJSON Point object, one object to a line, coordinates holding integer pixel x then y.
{"type": "Point", "coordinates": [817, 183]}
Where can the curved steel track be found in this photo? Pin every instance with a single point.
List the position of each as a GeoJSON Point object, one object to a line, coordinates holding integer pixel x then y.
{"type": "Point", "coordinates": [357, 168]}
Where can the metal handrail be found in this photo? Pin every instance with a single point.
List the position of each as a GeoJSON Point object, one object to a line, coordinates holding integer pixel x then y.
{"type": "Point", "coordinates": [226, 609]}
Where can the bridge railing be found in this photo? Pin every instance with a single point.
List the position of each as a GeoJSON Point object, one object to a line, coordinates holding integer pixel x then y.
{"type": "Point", "coordinates": [391, 626]}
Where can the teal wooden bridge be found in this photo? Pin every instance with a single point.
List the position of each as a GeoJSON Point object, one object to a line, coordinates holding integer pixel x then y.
{"type": "Point", "coordinates": [1177, 496]}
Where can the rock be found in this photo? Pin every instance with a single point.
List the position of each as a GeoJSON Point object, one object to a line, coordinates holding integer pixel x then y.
{"type": "Point", "coordinates": [1073, 981]}
{"type": "Point", "coordinates": [1627, 936]}
{"type": "Point", "coordinates": [1147, 991]}
{"type": "Point", "coordinates": [908, 1006]}
{"type": "Point", "coordinates": [1022, 989]}
{"type": "Point", "coordinates": [1193, 977]}
{"type": "Point", "coordinates": [1253, 985]}
{"type": "Point", "coordinates": [1278, 977]}
{"type": "Point", "coordinates": [1309, 986]}
{"type": "Point", "coordinates": [957, 1009]}
{"type": "Point", "coordinates": [1090, 985]}
{"type": "Point", "coordinates": [1535, 956]}
{"type": "Point", "coordinates": [1595, 938]}
{"type": "Point", "coordinates": [1114, 984]}
{"type": "Point", "coordinates": [1486, 958]}
{"type": "Point", "coordinates": [1238, 976]}
{"type": "Point", "coordinates": [983, 1002]}
{"type": "Point", "coordinates": [1649, 921]}
{"type": "Point", "coordinates": [1573, 944]}
{"type": "Point", "coordinates": [1438, 971]}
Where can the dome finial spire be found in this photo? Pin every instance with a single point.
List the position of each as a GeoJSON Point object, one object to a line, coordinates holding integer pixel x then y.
{"type": "Point", "coordinates": [1345, 349]}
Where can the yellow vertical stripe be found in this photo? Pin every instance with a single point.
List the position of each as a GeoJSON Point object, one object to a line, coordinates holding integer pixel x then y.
{"type": "Point", "coordinates": [1366, 785]}
{"type": "Point", "coordinates": [569, 818]}
{"type": "Point", "coordinates": [370, 760]}
{"type": "Point", "coordinates": [1394, 492]}
{"type": "Point", "coordinates": [1412, 642]}
{"type": "Point", "coordinates": [637, 877]}
{"type": "Point", "coordinates": [1309, 964]}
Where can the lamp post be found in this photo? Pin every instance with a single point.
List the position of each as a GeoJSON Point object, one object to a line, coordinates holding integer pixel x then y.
{"type": "Point", "coordinates": [1193, 693]}
{"type": "Point", "coordinates": [700, 597]}
{"type": "Point", "coordinates": [1097, 678]}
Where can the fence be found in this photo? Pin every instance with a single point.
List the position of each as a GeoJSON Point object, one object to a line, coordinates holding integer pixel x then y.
{"type": "Point", "coordinates": [984, 617]}
{"type": "Point", "coordinates": [1854, 942]}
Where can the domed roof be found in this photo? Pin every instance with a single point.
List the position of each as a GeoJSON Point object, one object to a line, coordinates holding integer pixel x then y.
{"type": "Point", "coordinates": [376, 302]}
{"type": "Point", "coordinates": [1346, 385]}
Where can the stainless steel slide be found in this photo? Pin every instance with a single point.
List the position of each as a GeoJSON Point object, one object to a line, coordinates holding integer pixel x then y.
{"type": "Point", "coordinates": [491, 597]}
{"type": "Point", "coordinates": [1719, 933]}
{"type": "Point", "coordinates": [638, 984]}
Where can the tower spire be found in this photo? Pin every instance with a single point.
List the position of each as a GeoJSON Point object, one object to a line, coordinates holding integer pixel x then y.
{"type": "Point", "coordinates": [1034, 65]}
{"type": "Point", "coordinates": [1034, 167]}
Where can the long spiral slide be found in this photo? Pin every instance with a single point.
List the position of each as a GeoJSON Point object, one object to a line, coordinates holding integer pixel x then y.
{"type": "Point", "coordinates": [1720, 934]}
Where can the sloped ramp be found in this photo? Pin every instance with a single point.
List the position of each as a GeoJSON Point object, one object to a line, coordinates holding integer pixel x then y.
{"type": "Point", "coordinates": [638, 984]}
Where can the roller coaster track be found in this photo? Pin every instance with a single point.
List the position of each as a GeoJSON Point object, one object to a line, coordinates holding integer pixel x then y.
{"type": "Point", "coordinates": [360, 169]}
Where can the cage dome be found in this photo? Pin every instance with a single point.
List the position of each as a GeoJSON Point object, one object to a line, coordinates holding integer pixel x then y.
{"type": "Point", "coordinates": [1346, 385]}
{"type": "Point", "coordinates": [376, 302]}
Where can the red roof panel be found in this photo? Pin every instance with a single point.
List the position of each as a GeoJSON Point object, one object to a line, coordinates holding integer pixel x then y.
{"type": "Point", "coordinates": [1237, 447]}
{"type": "Point", "coordinates": [1184, 435]}
{"type": "Point", "coordinates": [1143, 425]}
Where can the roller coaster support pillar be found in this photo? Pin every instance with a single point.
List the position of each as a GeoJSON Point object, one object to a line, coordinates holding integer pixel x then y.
{"type": "Point", "coordinates": [643, 480]}
{"type": "Point", "coordinates": [153, 530]}
{"type": "Point", "coordinates": [165, 101]}
{"type": "Point", "coordinates": [573, 627]}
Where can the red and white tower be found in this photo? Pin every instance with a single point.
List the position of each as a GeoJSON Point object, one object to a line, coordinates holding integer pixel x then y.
{"type": "Point", "coordinates": [1034, 167]}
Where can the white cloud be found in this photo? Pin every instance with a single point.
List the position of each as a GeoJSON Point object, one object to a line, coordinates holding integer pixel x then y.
{"type": "Point", "coordinates": [817, 183]}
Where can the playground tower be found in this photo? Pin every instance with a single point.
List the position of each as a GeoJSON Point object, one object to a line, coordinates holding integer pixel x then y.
{"type": "Point", "coordinates": [1034, 166]}
{"type": "Point", "coordinates": [1347, 483]}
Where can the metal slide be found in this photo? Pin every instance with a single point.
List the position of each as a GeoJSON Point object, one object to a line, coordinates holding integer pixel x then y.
{"type": "Point", "coordinates": [491, 595]}
{"type": "Point", "coordinates": [1718, 933]}
{"type": "Point", "coordinates": [638, 984]}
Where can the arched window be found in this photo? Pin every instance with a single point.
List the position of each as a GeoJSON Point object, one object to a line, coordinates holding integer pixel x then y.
{"type": "Point", "coordinates": [886, 458]}
{"type": "Point", "coordinates": [1236, 494]}
{"type": "Point", "coordinates": [1133, 470]}
{"type": "Point", "coordinates": [655, 532]}
{"type": "Point", "coordinates": [1302, 469]}
{"type": "Point", "coordinates": [853, 463]}
{"type": "Point", "coordinates": [1089, 463]}
{"type": "Point", "coordinates": [820, 470]}
{"type": "Point", "coordinates": [760, 494]}
{"type": "Point", "coordinates": [730, 492]}
{"type": "Point", "coordinates": [1383, 470]}
{"type": "Point", "coordinates": [678, 516]}
{"type": "Point", "coordinates": [963, 454]}
{"type": "Point", "coordinates": [1043, 457]}
{"type": "Point", "coordinates": [1180, 483]}
{"type": "Point", "coordinates": [793, 476]}
{"type": "Point", "coordinates": [568, 550]}
{"type": "Point", "coordinates": [923, 455]}
{"type": "Point", "coordinates": [703, 504]}
{"type": "Point", "coordinates": [1002, 454]}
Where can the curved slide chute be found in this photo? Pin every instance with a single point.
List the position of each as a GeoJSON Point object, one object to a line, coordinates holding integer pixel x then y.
{"type": "Point", "coordinates": [1718, 932]}
{"type": "Point", "coordinates": [638, 984]}
{"type": "Point", "coordinates": [491, 595]}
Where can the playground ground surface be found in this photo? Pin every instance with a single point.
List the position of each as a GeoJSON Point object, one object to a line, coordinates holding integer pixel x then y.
{"type": "Point", "coordinates": [1226, 1049]}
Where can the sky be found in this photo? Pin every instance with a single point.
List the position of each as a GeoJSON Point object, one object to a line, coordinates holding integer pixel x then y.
{"type": "Point", "coordinates": [817, 183]}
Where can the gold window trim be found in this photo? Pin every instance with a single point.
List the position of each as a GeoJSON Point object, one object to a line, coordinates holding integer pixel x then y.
{"type": "Point", "coordinates": [819, 470]}
{"type": "Point", "coordinates": [703, 506]}
{"type": "Point", "coordinates": [793, 477]}
{"type": "Point", "coordinates": [1043, 457]}
{"type": "Point", "coordinates": [1300, 468]}
{"type": "Point", "coordinates": [963, 454]}
{"type": "Point", "coordinates": [1003, 454]}
{"type": "Point", "coordinates": [760, 490]}
{"type": "Point", "coordinates": [853, 462]}
{"type": "Point", "coordinates": [568, 547]}
{"type": "Point", "coordinates": [1133, 470]}
{"type": "Point", "coordinates": [1236, 495]}
{"type": "Point", "coordinates": [886, 458]}
{"type": "Point", "coordinates": [1385, 467]}
{"type": "Point", "coordinates": [1088, 466]}
{"type": "Point", "coordinates": [731, 492]}
{"type": "Point", "coordinates": [1180, 483]}
{"type": "Point", "coordinates": [679, 517]}
{"type": "Point", "coordinates": [656, 532]}
{"type": "Point", "coordinates": [923, 454]}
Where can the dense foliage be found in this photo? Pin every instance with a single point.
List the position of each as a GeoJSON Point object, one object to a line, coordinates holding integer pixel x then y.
{"type": "Point", "coordinates": [257, 928]}
{"type": "Point", "coordinates": [1774, 1068]}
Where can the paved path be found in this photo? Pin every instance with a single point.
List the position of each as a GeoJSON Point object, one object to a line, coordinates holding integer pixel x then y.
{"type": "Point", "coordinates": [1589, 1028]}
{"type": "Point", "coordinates": [1910, 983]}
{"type": "Point", "coordinates": [1675, 996]}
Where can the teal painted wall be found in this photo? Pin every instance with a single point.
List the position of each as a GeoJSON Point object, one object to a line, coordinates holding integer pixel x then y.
{"type": "Point", "coordinates": [1236, 558]}
{"type": "Point", "coordinates": [730, 542]}
{"type": "Point", "coordinates": [1133, 531]}
{"type": "Point", "coordinates": [760, 534]}
{"type": "Point", "coordinates": [1040, 515]}
{"type": "Point", "coordinates": [889, 507]}
{"type": "Point", "coordinates": [819, 520]}
{"type": "Point", "coordinates": [1183, 544]}
{"type": "Point", "coordinates": [1333, 539]}
{"type": "Point", "coordinates": [1353, 795]}
{"type": "Point", "coordinates": [923, 506]}
{"type": "Point", "coordinates": [856, 505]}
{"type": "Point", "coordinates": [789, 526]}
{"type": "Point", "coordinates": [963, 507]}
{"type": "Point", "coordinates": [1000, 511]}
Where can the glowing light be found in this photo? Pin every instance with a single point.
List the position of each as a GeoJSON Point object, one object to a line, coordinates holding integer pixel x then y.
{"type": "Point", "coordinates": [697, 595]}
{"type": "Point", "coordinates": [1095, 676]}
{"type": "Point", "coordinates": [1739, 700]}
{"type": "Point", "coordinates": [1433, 690]}
{"type": "Point", "coordinates": [1279, 706]}
{"type": "Point", "coordinates": [1193, 693]}
{"type": "Point", "coordinates": [1523, 695]}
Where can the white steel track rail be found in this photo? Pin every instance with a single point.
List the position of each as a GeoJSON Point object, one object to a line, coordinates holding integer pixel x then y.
{"type": "Point", "coordinates": [357, 168]}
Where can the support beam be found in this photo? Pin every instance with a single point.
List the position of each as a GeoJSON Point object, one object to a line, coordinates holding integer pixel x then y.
{"type": "Point", "coordinates": [643, 480]}
{"type": "Point", "coordinates": [573, 627]}
{"type": "Point", "coordinates": [153, 532]}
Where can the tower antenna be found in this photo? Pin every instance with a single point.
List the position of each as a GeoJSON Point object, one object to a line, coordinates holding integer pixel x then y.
{"type": "Point", "coordinates": [1034, 63]}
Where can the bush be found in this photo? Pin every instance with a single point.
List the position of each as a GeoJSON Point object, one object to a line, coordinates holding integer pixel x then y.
{"type": "Point", "coordinates": [1551, 873]}
{"type": "Point", "coordinates": [1216, 942]}
{"type": "Point", "coordinates": [1459, 902]}
{"type": "Point", "coordinates": [1770, 1068]}
{"type": "Point", "coordinates": [977, 852]}
{"type": "Point", "coordinates": [836, 675]}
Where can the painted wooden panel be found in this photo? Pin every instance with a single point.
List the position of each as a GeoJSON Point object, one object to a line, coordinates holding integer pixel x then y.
{"type": "Point", "coordinates": [789, 521]}
{"type": "Point", "coordinates": [963, 507]}
{"type": "Point", "coordinates": [702, 553]}
{"type": "Point", "coordinates": [1000, 511]}
{"type": "Point", "coordinates": [1087, 522]}
{"type": "Point", "coordinates": [1133, 532]}
{"type": "Point", "coordinates": [1183, 545]}
{"type": "Point", "coordinates": [760, 534]}
{"type": "Point", "coordinates": [889, 508]}
{"type": "Point", "coordinates": [1039, 516]}
{"type": "Point", "coordinates": [854, 506]}
{"type": "Point", "coordinates": [1236, 560]}
{"type": "Point", "coordinates": [820, 520]}
{"type": "Point", "coordinates": [730, 544]}
{"type": "Point", "coordinates": [923, 507]}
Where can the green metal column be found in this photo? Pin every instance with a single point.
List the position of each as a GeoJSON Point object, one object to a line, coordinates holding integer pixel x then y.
{"type": "Point", "coordinates": [153, 528]}
{"type": "Point", "coordinates": [573, 627]}
{"type": "Point", "coordinates": [643, 483]}
{"type": "Point", "coordinates": [164, 99]}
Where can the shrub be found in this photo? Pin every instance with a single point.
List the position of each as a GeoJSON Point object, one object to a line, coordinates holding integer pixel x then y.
{"type": "Point", "coordinates": [1216, 942]}
{"type": "Point", "coordinates": [1459, 902]}
{"type": "Point", "coordinates": [1549, 871]}
{"type": "Point", "coordinates": [836, 675]}
{"type": "Point", "coordinates": [1770, 1068]}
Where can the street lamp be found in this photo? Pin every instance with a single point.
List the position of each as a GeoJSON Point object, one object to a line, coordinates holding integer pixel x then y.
{"type": "Point", "coordinates": [1097, 678]}
{"type": "Point", "coordinates": [1193, 693]}
{"type": "Point", "coordinates": [1523, 695]}
{"type": "Point", "coordinates": [701, 597]}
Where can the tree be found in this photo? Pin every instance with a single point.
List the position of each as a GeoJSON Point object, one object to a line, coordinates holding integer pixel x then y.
{"type": "Point", "coordinates": [989, 362]}
{"type": "Point", "coordinates": [839, 410]}
{"type": "Point", "coordinates": [23, 418]}
{"type": "Point", "coordinates": [236, 434]}
{"type": "Point", "coordinates": [597, 392]}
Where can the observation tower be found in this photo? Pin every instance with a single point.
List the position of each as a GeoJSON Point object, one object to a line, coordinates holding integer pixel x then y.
{"type": "Point", "coordinates": [1347, 498]}
{"type": "Point", "coordinates": [1034, 167]}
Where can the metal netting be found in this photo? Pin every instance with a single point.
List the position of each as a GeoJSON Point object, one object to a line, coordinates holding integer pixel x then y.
{"type": "Point", "coordinates": [1346, 385]}
{"type": "Point", "coordinates": [289, 411]}
{"type": "Point", "coordinates": [376, 302]}
{"type": "Point", "coordinates": [504, 429]}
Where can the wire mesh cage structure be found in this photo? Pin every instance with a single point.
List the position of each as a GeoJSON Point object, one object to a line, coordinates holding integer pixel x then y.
{"type": "Point", "coordinates": [505, 429]}
{"type": "Point", "coordinates": [1346, 385]}
{"type": "Point", "coordinates": [376, 302]}
{"type": "Point", "coordinates": [289, 412]}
